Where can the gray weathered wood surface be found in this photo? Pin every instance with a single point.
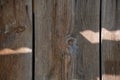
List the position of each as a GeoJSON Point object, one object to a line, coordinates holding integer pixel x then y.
{"type": "Point", "coordinates": [62, 52]}
{"type": "Point", "coordinates": [15, 40]}
{"type": "Point", "coordinates": [66, 39]}
{"type": "Point", "coordinates": [111, 39]}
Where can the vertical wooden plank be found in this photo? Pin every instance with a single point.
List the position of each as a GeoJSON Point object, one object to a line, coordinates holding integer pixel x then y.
{"type": "Point", "coordinates": [111, 39]}
{"type": "Point", "coordinates": [15, 41]}
{"type": "Point", "coordinates": [43, 50]}
{"type": "Point", "coordinates": [62, 50]}
{"type": "Point", "coordinates": [52, 22]}
{"type": "Point", "coordinates": [86, 32]}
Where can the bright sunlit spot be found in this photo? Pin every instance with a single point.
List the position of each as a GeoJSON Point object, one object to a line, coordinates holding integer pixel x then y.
{"type": "Point", "coordinates": [93, 37]}
{"type": "Point", "coordinates": [109, 77]}
{"type": "Point", "coordinates": [16, 51]}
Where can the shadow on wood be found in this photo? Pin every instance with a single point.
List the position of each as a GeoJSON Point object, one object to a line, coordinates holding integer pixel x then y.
{"type": "Point", "coordinates": [16, 67]}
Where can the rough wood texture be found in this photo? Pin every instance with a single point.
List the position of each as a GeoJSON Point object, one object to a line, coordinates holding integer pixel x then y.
{"type": "Point", "coordinates": [62, 52]}
{"type": "Point", "coordinates": [43, 50]}
{"type": "Point", "coordinates": [87, 21]}
{"type": "Point", "coordinates": [111, 44]}
{"type": "Point", "coordinates": [29, 7]}
{"type": "Point", "coordinates": [15, 40]}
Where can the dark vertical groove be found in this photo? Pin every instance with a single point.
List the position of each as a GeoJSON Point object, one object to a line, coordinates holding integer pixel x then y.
{"type": "Point", "coordinates": [116, 4]}
{"type": "Point", "coordinates": [33, 48]}
{"type": "Point", "coordinates": [76, 2]}
{"type": "Point", "coordinates": [100, 41]}
{"type": "Point", "coordinates": [33, 42]}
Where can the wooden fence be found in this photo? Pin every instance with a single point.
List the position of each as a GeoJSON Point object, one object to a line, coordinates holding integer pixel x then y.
{"type": "Point", "coordinates": [74, 39]}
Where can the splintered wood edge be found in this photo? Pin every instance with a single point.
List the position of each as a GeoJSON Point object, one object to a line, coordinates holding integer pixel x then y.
{"type": "Point", "coordinates": [22, 50]}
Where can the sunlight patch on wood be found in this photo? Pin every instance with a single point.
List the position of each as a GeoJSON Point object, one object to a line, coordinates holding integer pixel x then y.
{"type": "Point", "coordinates": [93, 37]}
{"type": "Point", "coordinates": [111, 35]}
{"type": "Point", "coordinates": [7, 51]}
{"type": "Point", "coordinates": [98, 78]}
{"type": "Point", "coordinates": [109, 77]}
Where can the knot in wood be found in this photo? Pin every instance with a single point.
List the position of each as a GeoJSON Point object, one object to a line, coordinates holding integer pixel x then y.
{"type": "Point", "coordinates": [19, 29]}
{"type": "Point", "coordinates": [72, 45]}
{"type": "Point", "coordinates": [71, 41]}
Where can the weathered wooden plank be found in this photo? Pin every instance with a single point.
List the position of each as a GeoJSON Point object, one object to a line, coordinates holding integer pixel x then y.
{"type": "Point", "coordinates": [43, 50]}
{"type": "Point", "coordinates": [111, 39]}
{"type": "Point", "coordinates": [15, 41]}
{"type": "Point", "coordinates": [86, 32]}
{"type": "Point", "coordinates": [62, 49]}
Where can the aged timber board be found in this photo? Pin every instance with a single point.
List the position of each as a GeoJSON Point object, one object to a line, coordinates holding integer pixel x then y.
{"type": "Point", "coordinates": [66, 48]}
{"type": "Point", "coordinates": [111, 39]}
{"type": "Point", "coordinates": [15, 40]}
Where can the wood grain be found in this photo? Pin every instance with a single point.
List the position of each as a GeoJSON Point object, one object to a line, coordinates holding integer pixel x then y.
{"type": "Point", "coordinates": [15, 34]}
{"type": "Point", "coordinates": [87, 19]}
{"type": "Point", "coordinates": [43, 42]}
{"type": "Point", "coordinates": [62, 53]}
{"type": "Point", "coordinates": [111, 47]}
